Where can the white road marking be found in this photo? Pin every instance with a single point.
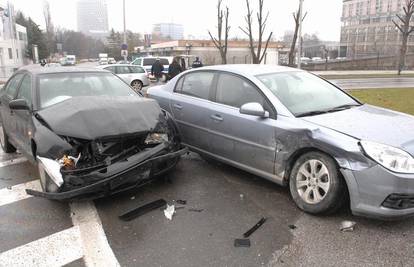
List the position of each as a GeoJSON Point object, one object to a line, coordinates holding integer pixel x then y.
{"type": "Point", "coordinates": [17, 192]}
{"type": "Point", "coordinates": [96, 249]}
{"type": "Point", "coordinates": [54, 250]}
{"type": "Point", "coordinates": [12, 161]}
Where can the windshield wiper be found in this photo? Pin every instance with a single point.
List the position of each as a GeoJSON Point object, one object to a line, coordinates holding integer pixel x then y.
{"type": "Point", "coordinates": [318, 112]}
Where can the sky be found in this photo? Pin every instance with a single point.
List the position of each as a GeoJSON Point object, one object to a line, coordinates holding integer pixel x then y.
{"type": "Point", "coordinates": [197, 16]}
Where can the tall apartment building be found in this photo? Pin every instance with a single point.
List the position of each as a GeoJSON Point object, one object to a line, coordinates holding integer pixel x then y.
{"type": "Point", "coordinates": [13, 41]}
{"type": "Point", "coordinates": [367, 28]}
{"type": "Point", "coordinates": [92, 17]}
{"type": "Point", "coordinates": [170, 31]}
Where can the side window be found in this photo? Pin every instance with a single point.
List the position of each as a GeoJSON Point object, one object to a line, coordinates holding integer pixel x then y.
{"type": "Point", "coordinates": [138, 62]}
{"type": "Point", "coordinates": [122, 70]}
{"type": "Point", "coordinates": [197, 84]}
{"type": "Point", "coordinates": [179, 85]}
{"type": "Point", "coordinates": [25, 90]}
{"type": "Point", "coordinates": [111, 69]}
{"type": "Point", "coordinates": [235, 91]}
{"type": "Point", "coordinates": [136, 70]}
{"type": "Point", "coordinates": [12, 85]}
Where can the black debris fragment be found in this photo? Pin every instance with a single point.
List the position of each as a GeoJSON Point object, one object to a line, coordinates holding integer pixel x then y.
{"type": "Point", "coordinates": [292, 226]}
{"type": "Point", "coordinates": [181, 202]}
{"type": "Point", "coordinates": [242, 243]}
{"type": "Point", "coordinates": [132, 214]}
{"type": "Point", "coordinates": [179, 207]}
{"type": "Point", "coordinates": [254, 228]}
{"type": "Point", "coordinates": [196, 210]}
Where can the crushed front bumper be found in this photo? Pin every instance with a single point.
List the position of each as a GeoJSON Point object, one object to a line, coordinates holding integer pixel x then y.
{"type": "Point", "coordinates": [378, 193]}
{"type": "Point", "coordinates": [132, 172]}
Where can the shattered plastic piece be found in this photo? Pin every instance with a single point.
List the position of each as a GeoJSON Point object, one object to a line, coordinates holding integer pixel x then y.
{"type": "Point", "coordinates": [181, 202]}
{"type": "Point", "coordinates": [130, 215]}
{"type": "Point", "coordinates": [196, 210]}
{"type": "Point", "coordinates": [254, 228]}
{"type": "Point", "coordinates": [69, 162]}
{"type": "Point", "coordinates": [132, 198]}
{"type": "Point", "coordinates": [292, 226]}
{"type": "Point", "coordinates": [347, 226]}
{"type": "Point", "coordinates": [242, 243]}
{"type": "Point", "coordinates": [169, 212]}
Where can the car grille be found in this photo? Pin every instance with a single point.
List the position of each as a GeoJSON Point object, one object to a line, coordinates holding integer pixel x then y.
{"type": "Point", "coordinates": [399, 201]}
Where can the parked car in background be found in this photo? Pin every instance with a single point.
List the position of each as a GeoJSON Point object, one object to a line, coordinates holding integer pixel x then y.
{"type": "Point", "coordinates": [298, 130]}
{"type": "Point", "coordinates": [68, 60]}
{"type": "Point", "coordinates": [87, 131]}
{"type": "Point", "coordinates": [135, 76]}
{"type": "Point", "coordinates": [103, 58]}
{"type": "Point", "coordinates": [123, 62]}
{"type": "Point", "coordinates": [146, 63]}
{"type": "Point", "coordinates": [111, 60]}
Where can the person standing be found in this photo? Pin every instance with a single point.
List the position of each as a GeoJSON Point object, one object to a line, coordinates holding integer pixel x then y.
{"type": "Point", "coordinates": [197, 63]}
{"type": "Point", "coordinates": [174, 69]}
{"type": "Point", "coordinates": [157, 69]}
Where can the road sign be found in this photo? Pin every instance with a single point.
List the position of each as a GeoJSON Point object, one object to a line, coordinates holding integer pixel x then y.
{"type": "Point", "coordinates": [124, 53]}
{"type": "Point", "coordinates": [124, 46]}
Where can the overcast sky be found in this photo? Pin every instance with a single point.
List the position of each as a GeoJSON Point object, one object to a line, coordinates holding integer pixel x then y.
{"type": "Point", "coordinates": [197, 16]}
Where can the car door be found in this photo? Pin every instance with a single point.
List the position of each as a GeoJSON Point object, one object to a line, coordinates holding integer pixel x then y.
{"type": "Point", "coordinates": [190, 104]}
{"type": "Point", "coordinates": [23, 118]}
{"type": "Point", "coordinates": [247, 141]}
{"type": "Point", "coordinates": [7, 115]}
{"type": "Point", "coordinates": [124, 73]}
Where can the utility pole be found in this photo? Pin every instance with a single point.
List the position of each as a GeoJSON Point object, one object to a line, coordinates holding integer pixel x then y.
{"type": "Point", "coordinates": [300, 34]}
{"type": "Point", "coordinates": [125, 38]}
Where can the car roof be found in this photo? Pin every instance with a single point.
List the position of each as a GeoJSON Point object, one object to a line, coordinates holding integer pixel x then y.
{"type": "Point", "coordinates": [117, 65]}
{"type": "Point", "coordinates": [249, 69]}
{"type": "Point", "coordinates": [36, 70]}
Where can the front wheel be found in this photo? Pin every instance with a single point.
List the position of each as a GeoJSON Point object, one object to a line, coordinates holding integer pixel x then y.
{"type": "Point", "coordinates": [137, 85]}
{"type": "Point", "coordinates": [316, 185]}
{"type": "Point", "coordinates": [4, 141]}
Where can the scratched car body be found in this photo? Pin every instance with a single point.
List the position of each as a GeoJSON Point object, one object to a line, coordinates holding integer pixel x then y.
{"type": "Point", "coordinates": [89, 133]}
{"type": "Point", "coordinates": [298, 130]}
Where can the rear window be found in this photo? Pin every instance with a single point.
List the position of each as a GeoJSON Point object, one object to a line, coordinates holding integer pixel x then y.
{"type": "Point", "coordinates": [150, 61]}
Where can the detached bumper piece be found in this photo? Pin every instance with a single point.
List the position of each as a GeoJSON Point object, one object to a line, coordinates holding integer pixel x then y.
{"type": "Point", "coordinates": [134, 171]}
{"type": "Point", "coordinates": [399, 201]}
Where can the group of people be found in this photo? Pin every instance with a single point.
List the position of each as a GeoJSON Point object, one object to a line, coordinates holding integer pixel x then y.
{"type": "Point", "coordinates": [175, 68]}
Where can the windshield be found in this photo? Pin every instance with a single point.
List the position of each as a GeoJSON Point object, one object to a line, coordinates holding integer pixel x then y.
{"type": "Point", "coordinates": [304, 93]}
{"type": "Point", "coordinates": [57, 87]}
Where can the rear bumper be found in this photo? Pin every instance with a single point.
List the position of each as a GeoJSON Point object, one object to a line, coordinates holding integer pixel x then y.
{"type": "Point", "coordinates": [378, 193]}
{"type": "Point", "coordinates": [136, 171]}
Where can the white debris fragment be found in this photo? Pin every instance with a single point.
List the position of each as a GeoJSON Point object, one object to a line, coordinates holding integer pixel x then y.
{"type": "Point", "coordinates": [347, 226]}
{"type": "Point", "coordinates": [169, 212]}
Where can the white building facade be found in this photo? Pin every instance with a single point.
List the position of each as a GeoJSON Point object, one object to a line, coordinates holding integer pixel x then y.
{"type": "Point", "coordinates": [92, 18]}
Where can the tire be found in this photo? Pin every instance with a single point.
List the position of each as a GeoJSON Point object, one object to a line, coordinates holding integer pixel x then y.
{"type": "Point", "coordinates": [137, 85]}
{"type": "Point", "coordinates": [316, 186]}
{"type": "Point", "coordinates": [4, 141]}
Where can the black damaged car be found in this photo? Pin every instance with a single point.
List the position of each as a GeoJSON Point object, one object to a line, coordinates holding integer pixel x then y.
{"type": "Point", "coordinates": [88, 132]}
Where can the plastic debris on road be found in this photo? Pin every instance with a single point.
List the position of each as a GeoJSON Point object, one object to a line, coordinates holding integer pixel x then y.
{"type": "Point", "coordinates": [242, 243]}
{"type": "Point", "coordinates": [347, 226]}
{"type": "Point", "coordinates": [169, 212]}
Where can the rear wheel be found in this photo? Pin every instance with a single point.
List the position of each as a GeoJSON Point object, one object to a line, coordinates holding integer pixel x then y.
{"type": "Point", "coordinates": [4, 140]}
{"type": "Point", "coordinates": [137, 85]}
{"type": "Point", "coordinates": [316, 185]}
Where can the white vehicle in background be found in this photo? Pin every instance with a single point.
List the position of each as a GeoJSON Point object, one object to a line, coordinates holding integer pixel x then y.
{"type": "Point", "coordinates": [146, 63]}
{"type": "Point", "coordinates": [135, 76]}
{"type": "Point", "coordinates": [103, 59]}
{"type": "Point", "coordinates": [68, 60]}
{"type": "Point", "coordinates": [111, 60]}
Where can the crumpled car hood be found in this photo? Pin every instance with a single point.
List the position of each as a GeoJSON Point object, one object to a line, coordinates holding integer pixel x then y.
{"type": "Point", "coordinates": [372, 124]}
{"type": "Point", "coordinates": [92, 118]}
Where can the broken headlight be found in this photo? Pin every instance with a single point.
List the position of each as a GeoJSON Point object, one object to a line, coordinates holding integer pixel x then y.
{"type": "Point", "coordinates": [50, 175]}
{"type": "Point", "coordinates": [156, 138]}
{"type": "Point", "coordinates": [394, 159]}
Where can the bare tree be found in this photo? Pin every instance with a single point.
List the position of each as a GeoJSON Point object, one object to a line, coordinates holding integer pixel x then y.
{"type": "Point", "coordinates": [257, 54]}
{"type": "Point", "coordinates": [50, 34]}
{"type": "Point", "coordinates": [403, 25]}
{"type": "Point", "coordinates": [295, 35]}
{"type": "Point", "coordinates": [222, 16]}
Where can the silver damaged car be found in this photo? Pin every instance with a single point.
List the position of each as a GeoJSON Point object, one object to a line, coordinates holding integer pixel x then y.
{"type": "Point", "coordinates": [300, 131]}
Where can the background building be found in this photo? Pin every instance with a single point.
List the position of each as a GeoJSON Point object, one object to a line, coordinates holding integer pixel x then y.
{"type": "Point", "coordinates": [13, 41]}
{"type": "Point", "coordinates": [92, 18]}
{"type": "Point", "coordinates": [367, 28]}
{"type": "Point", "coordinates": [168, 31]}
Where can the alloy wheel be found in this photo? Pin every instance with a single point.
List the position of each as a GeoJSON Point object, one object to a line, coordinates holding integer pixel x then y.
{"type": "Point", "coordinates": [313, 181]}
{"type": "Point", "coordinates": [137, 85]}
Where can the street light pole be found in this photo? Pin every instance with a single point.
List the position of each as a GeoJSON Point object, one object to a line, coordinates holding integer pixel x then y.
{"type": "Point", "coordinates": [300, 34]}
{"type": "Point", "coordinates": [125, 38]}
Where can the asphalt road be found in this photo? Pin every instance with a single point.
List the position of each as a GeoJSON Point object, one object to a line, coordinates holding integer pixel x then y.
{"type": "Point", "coordinates": [39, 232]}
{"type": "Point", "coordinates": [370, 83]}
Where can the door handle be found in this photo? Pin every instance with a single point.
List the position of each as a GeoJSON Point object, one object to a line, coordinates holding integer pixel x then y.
{"type": "Point", "coordinates": [178, 106]}
{"type": "Point", "coordinates": [216, 117]}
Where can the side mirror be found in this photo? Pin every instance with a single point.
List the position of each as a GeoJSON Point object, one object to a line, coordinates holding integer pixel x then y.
{"type": "Point", "coordinates": [254, 109]}
{"type": "Point", "coordinates": [19, 104]}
